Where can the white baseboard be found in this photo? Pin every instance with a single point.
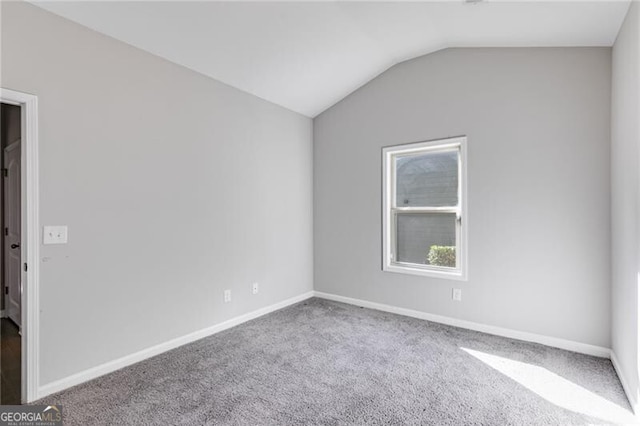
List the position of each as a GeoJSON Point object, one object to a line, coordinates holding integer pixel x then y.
{"type": "Point", "coordinates": [555, 342]}
{"type": "Point", "coordinates": [631, 396]}
{"type": "Point", "coordinates": [127, 360]}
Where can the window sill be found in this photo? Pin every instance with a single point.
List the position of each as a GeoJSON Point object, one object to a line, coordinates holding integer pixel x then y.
{"type": "Point", "coordinates": [406, 269]}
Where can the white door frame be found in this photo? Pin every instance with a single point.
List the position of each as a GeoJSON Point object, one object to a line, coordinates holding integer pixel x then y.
{"type": "Point", "coordinates": [30, 241]}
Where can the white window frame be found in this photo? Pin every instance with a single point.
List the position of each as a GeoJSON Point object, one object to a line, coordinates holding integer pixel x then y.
{"type": "Point", "coordinates": [390, 210]}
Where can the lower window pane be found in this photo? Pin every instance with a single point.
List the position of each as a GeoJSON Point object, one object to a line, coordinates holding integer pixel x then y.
{"type": "Point", "coordinates": [427, 239]}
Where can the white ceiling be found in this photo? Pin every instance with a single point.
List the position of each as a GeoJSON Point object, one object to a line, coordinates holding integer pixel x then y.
{"type": "Point", "coordinates": [306, 56]}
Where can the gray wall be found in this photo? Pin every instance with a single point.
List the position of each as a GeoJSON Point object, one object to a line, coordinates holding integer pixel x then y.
{"type": "Point", "coordinates": [538, 127]}
{"type": "Point", "coordinates": [174, 187]}
{"type": "Point", "coordinates": [625, 198]}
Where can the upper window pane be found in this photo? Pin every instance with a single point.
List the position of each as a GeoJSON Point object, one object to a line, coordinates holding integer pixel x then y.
{"type": "Point", "coordinates": [427, 179]}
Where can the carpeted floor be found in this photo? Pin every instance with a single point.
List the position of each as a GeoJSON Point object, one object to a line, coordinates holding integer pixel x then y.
{"type": "Point", "coordinates": [322, 362]}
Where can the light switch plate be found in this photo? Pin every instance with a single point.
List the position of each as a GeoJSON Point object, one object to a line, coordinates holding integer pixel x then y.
{"type": "Point", "coordinates": [55, 235]}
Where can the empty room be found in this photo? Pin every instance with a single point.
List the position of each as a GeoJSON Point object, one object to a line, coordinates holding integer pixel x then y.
{"type": "Point", "coordinates": [320, 212]}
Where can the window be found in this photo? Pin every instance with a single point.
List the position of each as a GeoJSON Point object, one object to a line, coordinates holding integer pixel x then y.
{"type": "Point", "coordinates": [424, 197]}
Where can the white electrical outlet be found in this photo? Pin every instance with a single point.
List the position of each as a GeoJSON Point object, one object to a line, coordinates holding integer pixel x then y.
{"type": "Point", "coordinates": [227, 296]}
{"type": "Point", "coordinates": [254, 288]}
{"type": "Point", "coordinates": [54, 235]}
{"type": "Point", "coordinates": [457, 294]}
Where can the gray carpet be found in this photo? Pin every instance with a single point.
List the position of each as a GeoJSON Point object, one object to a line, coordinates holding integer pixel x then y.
{"type": "Point", "coordinates": [322, 362]}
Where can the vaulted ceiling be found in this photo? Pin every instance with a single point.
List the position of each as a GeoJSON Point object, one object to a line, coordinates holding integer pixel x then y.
{"type": "Point", "coordinates": [306, 56]}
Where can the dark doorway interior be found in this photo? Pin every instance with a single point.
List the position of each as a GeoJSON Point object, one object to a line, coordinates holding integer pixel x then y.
{"type": "Point", "coordinates": [10, 294]}
{"type": "Point", "coordinates": [10, 363]}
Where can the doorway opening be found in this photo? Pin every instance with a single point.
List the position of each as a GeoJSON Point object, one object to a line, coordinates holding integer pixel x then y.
{"type": "Point", "coordinates": [11, 257]}
{"type": "Point", "coordinates": [19, 248]}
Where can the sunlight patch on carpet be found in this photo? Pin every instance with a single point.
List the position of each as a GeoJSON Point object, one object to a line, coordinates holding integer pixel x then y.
{"type": "Point", "coordinates": [556, 389]}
